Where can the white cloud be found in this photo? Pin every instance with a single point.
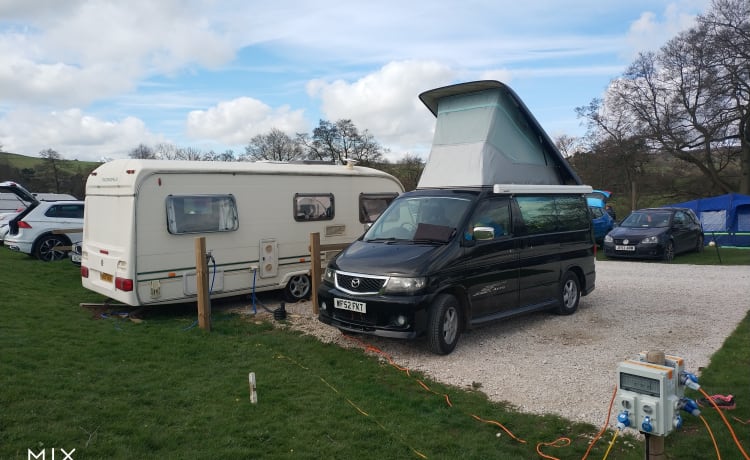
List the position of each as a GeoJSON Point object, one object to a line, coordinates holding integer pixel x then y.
{"type": "Point", "coordinates": [72, 134]}
{"type": "Point", "coordinates": [386, 102]}
{"type": "Point", "coordinates": [651, 30]}
{"type": "Point", "coordinates": [85, 51]}
{"type": "Point", "coordinates": [236, 122]}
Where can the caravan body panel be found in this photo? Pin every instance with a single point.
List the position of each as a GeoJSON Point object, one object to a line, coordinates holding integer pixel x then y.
{"type": "Point", "coordinates": [143, 216]}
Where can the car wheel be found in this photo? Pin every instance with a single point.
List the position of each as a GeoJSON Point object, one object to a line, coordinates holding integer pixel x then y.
{"type": "Point", "coordinates": [444, 324]}
{"type": "Point", "coordinates": [700, 246]}
{"type": "Point", "coordinates": [47, 248]}
{"type": "Point", "coordinates": [298, 288]}
{"type": "Point", "coordinates": [570, 294]}
{"type": "Point", "coordinates": [669, 251]}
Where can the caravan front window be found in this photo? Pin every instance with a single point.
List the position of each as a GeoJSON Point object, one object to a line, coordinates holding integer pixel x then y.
{"type": "Point", "coordinates": [372, 205]}
{"type": "Point", "coordinates": [201, 213]}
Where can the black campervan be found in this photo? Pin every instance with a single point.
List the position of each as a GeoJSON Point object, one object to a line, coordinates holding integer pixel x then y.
{"type": "Point", "coordinates": [498, 226]}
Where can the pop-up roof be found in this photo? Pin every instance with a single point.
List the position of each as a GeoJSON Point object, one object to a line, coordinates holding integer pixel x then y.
{"type": "Point", "coordinates": [485, 135]}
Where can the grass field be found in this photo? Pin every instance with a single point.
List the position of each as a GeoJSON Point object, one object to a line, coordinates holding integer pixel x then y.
{"type": "Point", "coordinates": [152, 385]}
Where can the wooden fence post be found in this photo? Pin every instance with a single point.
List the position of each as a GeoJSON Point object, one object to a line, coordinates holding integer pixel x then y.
{"type": "Point", "coordinates": [315, 269]}
{"type": "Point", "coordinates": [201, 282]}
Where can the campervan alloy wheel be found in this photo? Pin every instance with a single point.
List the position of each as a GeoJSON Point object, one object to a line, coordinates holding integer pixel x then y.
{"type": "Point", "coordinates": [298, 288]}
{"type": "Point", "coordinates": [570, 294]}
{"type": "Point", "coordinates": [444, 324]}
{"type": "Point", "coordinates": [47, 248]}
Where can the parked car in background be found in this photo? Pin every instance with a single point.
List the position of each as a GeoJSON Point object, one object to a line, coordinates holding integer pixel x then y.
{"type": "Point", "coordinates": [655, 233]}
{"type": "Point", "coordinates": [5, 219]}
{"type": "Point", "coordinates": [32, 231]}
{"type": "Point", "coordinates": [75, 252]}
{"type": "Point", "coordinates": [601, 219]}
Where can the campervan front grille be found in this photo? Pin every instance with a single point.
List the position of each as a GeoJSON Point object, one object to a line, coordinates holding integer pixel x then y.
{"type": "Point", "coordinates": [360, 284]}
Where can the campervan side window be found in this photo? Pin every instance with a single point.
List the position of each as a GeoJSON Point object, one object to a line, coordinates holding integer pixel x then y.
{"type": "Point", "coordinates": [313, 206]}
{"type": "Point", "coordinates": [545, 214]}
{"type": "Point", "coordinates": [372, 205]}
{"type": "Point", "coordinates": [201, 214]}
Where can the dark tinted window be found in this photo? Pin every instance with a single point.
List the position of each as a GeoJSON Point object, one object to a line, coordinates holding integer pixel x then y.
{"type": "Point", "coordinates": [545, 214]}
{"type": "Point", "coordinates": [571, 213]}
{"type": "Point", "coordinates": [65, 211]}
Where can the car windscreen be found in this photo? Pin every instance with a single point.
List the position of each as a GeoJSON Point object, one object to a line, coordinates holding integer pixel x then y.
{"type": "Point", "coordinates": [647, 219]}
{"type": "Point", "coordinates": [420, 219]}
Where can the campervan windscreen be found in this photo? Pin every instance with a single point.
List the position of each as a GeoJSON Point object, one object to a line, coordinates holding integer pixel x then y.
{"type": "Point", "coordinates": [420, 218]}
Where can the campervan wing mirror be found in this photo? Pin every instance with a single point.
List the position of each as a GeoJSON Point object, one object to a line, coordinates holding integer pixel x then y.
{"type": "Point", "coordinates": [484, 233]}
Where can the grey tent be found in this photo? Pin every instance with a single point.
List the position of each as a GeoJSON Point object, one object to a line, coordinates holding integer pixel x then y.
{"type": "Point", "coordinates": [485, 135]}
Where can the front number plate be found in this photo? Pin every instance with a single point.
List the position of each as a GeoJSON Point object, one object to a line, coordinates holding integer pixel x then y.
{"type": "Point", "coordinates": [624, 248]}
{"type": "Point", "coordinates": [359, 307]}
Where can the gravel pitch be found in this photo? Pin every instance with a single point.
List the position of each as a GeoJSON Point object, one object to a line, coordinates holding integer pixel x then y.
{"type": "Point", "coordinates": [543, 363]}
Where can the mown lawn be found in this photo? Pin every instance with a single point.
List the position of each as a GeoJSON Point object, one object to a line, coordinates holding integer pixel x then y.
{"type": "Point", "coordinates": [152, 385]}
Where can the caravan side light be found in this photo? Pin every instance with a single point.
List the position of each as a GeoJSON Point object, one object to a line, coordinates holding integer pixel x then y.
{"type": "Point", "coordinates": [123, 284]}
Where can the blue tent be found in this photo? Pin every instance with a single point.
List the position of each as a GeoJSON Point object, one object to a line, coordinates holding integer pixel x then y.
{"type": "Point", "coordinates": [725, 218]}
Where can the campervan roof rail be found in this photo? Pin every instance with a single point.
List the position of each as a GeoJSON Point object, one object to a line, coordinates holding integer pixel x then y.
{"type": "Point", "coordinates": [533, 188]}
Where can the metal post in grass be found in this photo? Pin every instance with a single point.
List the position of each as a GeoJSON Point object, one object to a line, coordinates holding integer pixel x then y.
{"type": "Point", "coordinates": [201, 282]}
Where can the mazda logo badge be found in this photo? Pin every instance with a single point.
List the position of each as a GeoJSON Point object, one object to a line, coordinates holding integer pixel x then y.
{"type": "Point", "coordinates": [355, 283]}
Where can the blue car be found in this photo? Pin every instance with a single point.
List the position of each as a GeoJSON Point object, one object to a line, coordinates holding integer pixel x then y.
{"type": "Point", "coordinates": [601, 219]}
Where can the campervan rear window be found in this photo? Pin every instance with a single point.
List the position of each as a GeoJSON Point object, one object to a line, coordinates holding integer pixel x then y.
{"type": "Point", "coordinates": [313, 206]}
{"type": "Point", "coordinates": [372, 205]}
{"type": "Point", "coordinates": [201, 213]}
{"type": "Point", "coordinates": [546, 214]}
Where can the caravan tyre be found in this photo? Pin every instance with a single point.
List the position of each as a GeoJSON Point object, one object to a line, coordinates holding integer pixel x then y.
{"type": "Point", "coordinates": [444, 324]}
{"type": "Point", "coordinates": [298, 288]}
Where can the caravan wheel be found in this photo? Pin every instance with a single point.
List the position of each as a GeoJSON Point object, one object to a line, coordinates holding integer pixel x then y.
{"type": "Point", "coordinates": [298, 288]}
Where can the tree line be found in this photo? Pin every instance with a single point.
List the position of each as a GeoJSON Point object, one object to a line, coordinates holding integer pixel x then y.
{"type": "Point", "coordinates": [330, 142]}
{"type": "Point", "coordinates": [683, 110]}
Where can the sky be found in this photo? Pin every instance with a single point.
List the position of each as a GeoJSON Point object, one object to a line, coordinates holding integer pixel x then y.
{"type": "Point", "coordinates": [93, 79]}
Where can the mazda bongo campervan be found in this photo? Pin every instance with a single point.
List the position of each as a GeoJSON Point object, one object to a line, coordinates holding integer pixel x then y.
{"type": "Point", "coordinates": [498, 226]}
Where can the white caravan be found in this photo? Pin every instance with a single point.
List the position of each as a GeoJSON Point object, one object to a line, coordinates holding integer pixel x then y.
{"type": "Point", "coordinates": [142, 218]}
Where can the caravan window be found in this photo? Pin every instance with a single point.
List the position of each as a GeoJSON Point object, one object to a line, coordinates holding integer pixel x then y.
{"type": "Point", "coordinates": [313, 206]}
{"type": "Point", "coordinates": [372, 205]}
{"type": "Point", "coordinates": [201, 213]}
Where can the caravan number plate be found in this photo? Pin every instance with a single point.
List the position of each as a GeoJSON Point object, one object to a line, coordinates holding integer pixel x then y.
{"type": "Point", "coordinates": [105, 277]}
{"type": "Point", "coordinates": [624, 248]}
{"type": "Point", "coordinates": [359, 307]}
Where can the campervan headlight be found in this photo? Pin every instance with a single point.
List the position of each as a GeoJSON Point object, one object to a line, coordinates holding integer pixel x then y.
{"type": "Point", "coordinates": [404, 285]}
{"type": "Point", "coordinates": [329, 276]}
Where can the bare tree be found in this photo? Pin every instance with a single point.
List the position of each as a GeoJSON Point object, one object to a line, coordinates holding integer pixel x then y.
{"type": "Point", "coordinates": [336, 142]}
{"type": "Point", "coordinates": [691, 100]}
{"type": "Point", "coordinates": [728, 23]}
{"type": "Point", "coordinates": [567, 145]}
{"type": "Point", "coordinates": [142, 152]}
{"type": "Point", "coordinates": [274, 146]}
{"type": "Point", "coordinates": [51, 163]}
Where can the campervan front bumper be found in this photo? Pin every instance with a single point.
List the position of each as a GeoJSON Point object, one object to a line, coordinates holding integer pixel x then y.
{"type": "Point", "coordinates": [401, 317]}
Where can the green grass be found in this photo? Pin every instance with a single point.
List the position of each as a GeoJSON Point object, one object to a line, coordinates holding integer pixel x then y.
{"type": "Point", "coordinates": [110, 387]}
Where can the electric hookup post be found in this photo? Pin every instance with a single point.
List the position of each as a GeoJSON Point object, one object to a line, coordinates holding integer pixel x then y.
{"type": "Point", "coordinates": [650, 395]}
